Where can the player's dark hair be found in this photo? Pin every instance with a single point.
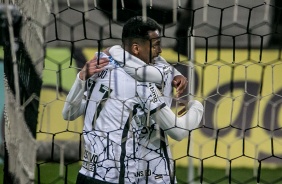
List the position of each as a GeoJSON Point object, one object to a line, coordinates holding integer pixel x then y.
{"type": "Point", "coordinates": [135, 27]}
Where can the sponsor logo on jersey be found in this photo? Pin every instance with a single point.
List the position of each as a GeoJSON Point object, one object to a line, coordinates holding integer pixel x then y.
{"type": "Point", "coordinates": [143, 173]}
{"type": "Point", "coordinates": [104, 88]}
{"type": "Point", "coordinates": [154, 93]}
{"type": "Point", "coordinates": [89, 160]}
{"type": "Point", "coordinates": [103, 74]}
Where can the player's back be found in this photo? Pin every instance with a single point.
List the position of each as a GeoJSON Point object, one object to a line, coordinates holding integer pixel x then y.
{"type": "Point", "coordinates": [112, 98]}
{"type": "Point", "coordinates": [110, 130]}
{"type": "Point", "coordinates": [113, 130]}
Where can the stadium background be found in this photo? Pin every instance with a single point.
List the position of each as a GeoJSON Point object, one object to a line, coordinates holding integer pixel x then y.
{"type": "Point", "coordinates": [217, 114]}
{"type": "Point", "coordinates": [216, 78]}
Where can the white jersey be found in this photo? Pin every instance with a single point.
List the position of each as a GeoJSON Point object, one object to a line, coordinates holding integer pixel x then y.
{"type": "Point", "coordinates": [112, 127]}
{"type": "Point", "coordinates": [155, 163]}
{"type": "Point", "coordinates": [154, 156]}
{"type": "Point", "coordinates": [124, 144]}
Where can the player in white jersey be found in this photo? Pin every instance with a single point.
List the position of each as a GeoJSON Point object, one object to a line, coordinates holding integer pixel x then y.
{"type": "Point", "coordinates": [111, 129]}
{"type": "Point", "coordinates": [153, 153]}
{"type": "Point", "coordinates": [154, 156]}
{"type": "Point", "coordinates": [111, 142]}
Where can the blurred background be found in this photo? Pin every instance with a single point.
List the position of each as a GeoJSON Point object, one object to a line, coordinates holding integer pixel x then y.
{"type": "Point", "coordinates": [230, 50]}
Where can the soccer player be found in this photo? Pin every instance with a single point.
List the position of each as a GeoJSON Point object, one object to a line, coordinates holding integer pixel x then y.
{"type": "Point", "coordinates": [153, 150]}
{"type": "Point", "coordinates": [153, 153]}
{"type": "Point", "coordinates": [114, 107]}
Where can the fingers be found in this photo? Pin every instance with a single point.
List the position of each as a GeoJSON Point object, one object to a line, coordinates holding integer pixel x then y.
{"type": "Point", "coordinates": [181, 87]}
{"type": "Point", "coordinates": [101, 63]}
{"type": "Point", "coordinates": [93, 66]}
{"type": "Point", "coordinates": [95, 63]}
{"type": "Point", "coordinates": [107, 52]}
{"type": "Point", "coordinates": [180, 83]}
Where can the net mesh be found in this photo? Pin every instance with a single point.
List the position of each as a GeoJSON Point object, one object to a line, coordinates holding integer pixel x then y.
{"type": "Point", "coordinates": [230, 51]}
{"type": "Point", "coordinates": [23, 64]}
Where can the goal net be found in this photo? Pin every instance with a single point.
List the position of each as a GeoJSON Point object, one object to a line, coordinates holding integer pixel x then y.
{"type": "Point", "coordinates": [23, 45]}
{"type": "Point", "coordinates": [230, 51]}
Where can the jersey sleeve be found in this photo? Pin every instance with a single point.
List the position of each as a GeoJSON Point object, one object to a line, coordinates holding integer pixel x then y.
{"type": "Point", "coordinates": [150, 97]}
{"type": "Point", "coordinates": [178, 127]}
{"type": "Point", "coordinates": [75, 103]}
{"type": "Point", "coordinates": [135, 67]}
{"type": "Point", "coordinates": [161, 61]}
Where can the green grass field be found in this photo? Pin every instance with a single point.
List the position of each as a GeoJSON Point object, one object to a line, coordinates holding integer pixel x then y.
{"type": "Point", "coordinates": [49, 174]}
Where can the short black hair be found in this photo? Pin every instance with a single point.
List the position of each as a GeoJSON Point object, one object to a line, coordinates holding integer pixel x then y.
{"type": "Point", "coordinates": [135, 27]}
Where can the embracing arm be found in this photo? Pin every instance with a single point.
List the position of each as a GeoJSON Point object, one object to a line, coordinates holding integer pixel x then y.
{"type": "Point", "coordinates": [138, 69]}
{"type": "Point", "coordinates": [178, 127]}
{"type": "Point", "coordinates": [75, 104]}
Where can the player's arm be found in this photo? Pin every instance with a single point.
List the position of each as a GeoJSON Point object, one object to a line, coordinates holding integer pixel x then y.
{"type": "Point", "coordinates": [135, 67]}
{"type": "Point", "coordinates": [75, 102]}
{"type": "Point", "coordinates": [142, 72]}
{"type": "Point", "coordinates": [92, 67]}
{"type": "Point", "coordinates": [178, 127]}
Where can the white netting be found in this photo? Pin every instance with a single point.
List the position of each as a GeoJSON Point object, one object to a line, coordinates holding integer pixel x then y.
{"type": "Point", "coordinates": [35, 16]}
{"type": "Point", "coordinates": [21, 146]}
{"type": "Point", "coordinates": [19, 140]}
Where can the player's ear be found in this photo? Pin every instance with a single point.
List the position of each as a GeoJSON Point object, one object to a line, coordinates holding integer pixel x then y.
{"type": "Point", "coordinates": [135, 48]}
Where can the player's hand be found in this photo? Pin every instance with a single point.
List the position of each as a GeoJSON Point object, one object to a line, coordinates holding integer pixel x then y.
{"type": "Point", "coordinates": [180, 83]}
{"type": "Point", "coordinates": [93, 66]}
{"type": "Point", "coordinates": [107, 51]}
